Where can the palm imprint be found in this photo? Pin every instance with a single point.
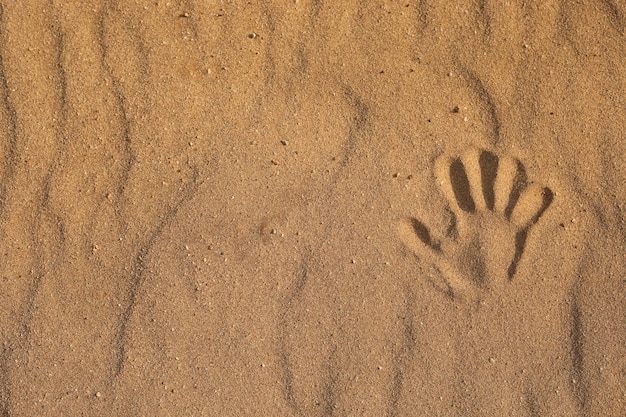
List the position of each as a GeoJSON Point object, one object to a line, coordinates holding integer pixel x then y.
{"type": "Point", "coordinates": [493, 208]}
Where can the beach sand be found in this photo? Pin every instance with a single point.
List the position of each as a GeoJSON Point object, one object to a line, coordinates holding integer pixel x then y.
{"type": "Point", "coordinates": [305, 208]}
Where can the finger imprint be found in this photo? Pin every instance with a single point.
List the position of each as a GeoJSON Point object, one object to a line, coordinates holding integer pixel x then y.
{"type": "Point", "coordinates": [529, 206]}
{"type": "Point", "coordinates": [470, 161]}
{"type": "Point", "coordinates": [503, 184]}
{"type": "Point", "coordinates": [417, 238]}
{"type": "Point", "coordinates": [442, 175]}
{"type": "Point", "coordinates": [488, 170]}
{"type": "Point", "coordinates": [461, 186]}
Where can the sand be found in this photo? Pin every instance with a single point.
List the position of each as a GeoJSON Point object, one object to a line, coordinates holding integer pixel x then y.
{"type": "Point", "coordinates": [307, 208]}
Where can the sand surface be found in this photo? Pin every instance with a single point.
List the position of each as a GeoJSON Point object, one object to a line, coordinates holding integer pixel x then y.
{"type": "Point", "coordinates": [313, 208]}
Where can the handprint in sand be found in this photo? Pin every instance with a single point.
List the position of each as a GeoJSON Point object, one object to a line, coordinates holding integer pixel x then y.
{"type": "Point", "coordinates": [493, 208]}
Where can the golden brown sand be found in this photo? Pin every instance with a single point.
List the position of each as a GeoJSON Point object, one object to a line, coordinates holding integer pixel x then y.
{"type": "Point", "coordinates": [312, 208]}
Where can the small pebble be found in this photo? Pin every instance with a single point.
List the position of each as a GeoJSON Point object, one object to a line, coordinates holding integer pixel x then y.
{"type": "Point", "coordinates": [252, 35]}
{"type": "Point", "coordinates": [98, 394]}
{"type": "Point", "coordinates": [284, 142]}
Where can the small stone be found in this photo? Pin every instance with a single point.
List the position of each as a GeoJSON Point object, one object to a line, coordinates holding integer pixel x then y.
{"type": "Point", "coordinates": [284, 142]}
{"type": "Point", "coordinates": [273, 231]}
{"type": "Point", "coordinates": [252, 35]}
{"type": "Point", "coordinates": [395, 175]}
{"type": "Point", "coordinates": [98, 394]}
{"type": "Point", "coordinates": [455, 109]}
{"type": "Point", "coordinates": [492, 360]}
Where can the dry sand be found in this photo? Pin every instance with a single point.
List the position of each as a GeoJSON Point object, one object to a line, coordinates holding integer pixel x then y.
{"type": "Point", "coordinates": [309, 208]}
